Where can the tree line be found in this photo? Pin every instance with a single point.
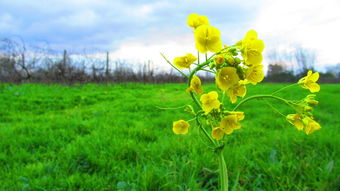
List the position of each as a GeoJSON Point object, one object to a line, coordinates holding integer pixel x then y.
{"type": "Point", "coordinates": [290, 66]}
{"type": "Point", "coordinates": [22, 64]}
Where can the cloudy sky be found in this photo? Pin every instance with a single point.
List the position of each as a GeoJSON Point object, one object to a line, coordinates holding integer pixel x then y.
{"type": "Point", "coordinates": [138, 30]}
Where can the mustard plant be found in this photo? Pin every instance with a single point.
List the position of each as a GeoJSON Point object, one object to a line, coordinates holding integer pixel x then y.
{"type": "Point", "coordinates": [235, 67]}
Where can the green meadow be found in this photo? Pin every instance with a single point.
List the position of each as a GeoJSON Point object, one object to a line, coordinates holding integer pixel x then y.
{"type": "Point", "coordinates": [115, 137]}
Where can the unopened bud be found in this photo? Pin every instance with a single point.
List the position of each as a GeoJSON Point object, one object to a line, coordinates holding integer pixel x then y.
{"type": "Point", "coordinates": [189, 109]}
{"type": "Point", "coordinates": [219, 60]}
{"type": "Point", "coordinates": [237, 60]}
{"type": "Point", "coordinates": [230, 60]}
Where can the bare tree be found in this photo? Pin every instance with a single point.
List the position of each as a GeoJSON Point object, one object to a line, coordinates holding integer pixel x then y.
{"type": "Point", "coordinates": [304, 58]}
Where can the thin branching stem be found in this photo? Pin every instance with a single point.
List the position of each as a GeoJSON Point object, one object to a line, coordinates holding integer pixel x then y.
{"type": "Point", "coordinates": [289, 86]}
{"type": "Point", "coordinates": [204, 131]}
{"type": "Point", "coordinates": [260, 97]}
{"type": "Point", "coordinates": [174, 66]}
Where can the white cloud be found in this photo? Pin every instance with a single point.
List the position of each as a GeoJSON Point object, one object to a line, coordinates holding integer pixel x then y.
{"type": "Point", "coordinates": [150, 48]}
{"type": "Point", "coordinates": [313, 24]}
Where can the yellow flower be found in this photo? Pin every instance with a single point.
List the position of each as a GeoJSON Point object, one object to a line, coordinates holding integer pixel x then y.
{"type": "Point", "coordinates": [251, 48]}
{"type": "Point", "coordinates": [180, 127]}
{"type": "Point", "coordinates": [296, 120]}
{"type": "Point", "coordinates": [184, 61]}
{"type": "Point", "coordinates": [309, 81]}
{"type": "Point", "coordinates": [305, 123]}
{"type": "Point", "coordinates": [210, 101]}
{"type": "Point", "coordinates": [237, 90]}
{"type": "Point", "coordinates": [226, 78]}
{"type": "Point", "coordinates": [254, 74]}
{"type": "Point", "coordinates": [208, 38]}
{"type": "Point", "coordinates": [217, 133]}
{"type": "Point", "coordinates": [195, 85]}
{"type": "Point", "coordinates": [229, 124]}
{"type": "Point", "coordinates": [311, 126]}
{"type": "Point", "coordinates": [194, 20]}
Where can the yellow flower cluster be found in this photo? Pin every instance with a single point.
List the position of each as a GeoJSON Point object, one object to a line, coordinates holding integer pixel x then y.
{"type": "Point", "coordinates": [233, 73]}
{"type": "Point", "coordinates": [227, 125]}
{"type": "Point", "coordinates": [235, 67]}
{"type": "Point", "coordinates": [303, 123]}
{"type": "Point", "coordinates": [303, 119]}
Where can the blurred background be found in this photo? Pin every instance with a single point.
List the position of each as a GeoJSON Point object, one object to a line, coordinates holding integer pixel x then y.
{"type": "Point", "coordinates": [115, 41]}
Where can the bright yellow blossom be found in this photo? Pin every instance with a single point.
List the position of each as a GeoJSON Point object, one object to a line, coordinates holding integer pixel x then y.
{"type": "Point", "coordinates": [237, 90]}
{"type": "Point", "coordinates": [180, 127]}
{"type": "Point", "coordinates": [254, 74]}
{"type": "Point", "coordinates": [217, 133]}
{"type": "Point", "coordinates": [251, 48]}
{"type": "Point", "coordinates": [210, 101]}
{"type": "Point", "coordinates": [229, 124]}
{"type": "Point", "coordinates": [226, 78]}
{"type": "Point", "coordinates": [309, 81]}
{"type": "Point", "coordinates": [195, 85]}
{"type": "Point", "coordinates": [303, 123]}
{"type": "Point", "coordinates": [296, 120]}
{"type": "Point", "coordinates": [184, 61]}
{"type": "Point", "coordinates": [208, 38]}
{"type": "Point", "coordinates": [194, 20]}
{"type": "Point", "coordinates": [311, 126]}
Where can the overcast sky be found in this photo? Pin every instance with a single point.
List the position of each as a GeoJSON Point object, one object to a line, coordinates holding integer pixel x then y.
{"type": "Point", "coordinates": [139, 30]}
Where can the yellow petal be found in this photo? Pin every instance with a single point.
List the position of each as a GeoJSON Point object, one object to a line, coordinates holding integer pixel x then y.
{"type": "Point", "coordinates": [201, 48]}
{"type": "Point", "coordinates": [313, 87]}
{"type": "Point", "coordinates": [258, 45]}
{"type": "Point", "coordinates": [213, 95]}
{"type": "Point", "coordinates": [254, 59]}
{"type": "Point", "coordinates": [312, 126]}
{"type": "Point", "coordinates": [314, 77]}
{"type": "Point", "coordinates": [251, 34]}
{"type": "Point", "coordinates": [239, 114]}
{"type": "Point", "coordinates": [215, 46]}
{"type": "Point", "coordinates": [217, 133]}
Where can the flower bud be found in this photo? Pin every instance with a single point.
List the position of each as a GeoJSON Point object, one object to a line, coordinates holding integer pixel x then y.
{"type": "Point", "coordinates": [310, 100]}
{"type": "Point", "coordinates": [230, 60]}
{"type": "Point", "coordinates": [219, 60]}
{"type": "Point", "coordinates": [189, 109]}
{"type": "Point", "coordinates": [237, 60]}
{"type": "Point", "coordinates": [308, 108]}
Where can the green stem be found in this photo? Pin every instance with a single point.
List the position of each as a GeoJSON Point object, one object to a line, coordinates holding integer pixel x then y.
{"type": "Point", "coordinates": [209, 71]}
{"type": "Point", "coordinates": [205, 131]}
{"type": "Point", "coordinates": [259, 97]}
{"type": "Point", "coordinates": [173, 65]}
{"type": "Point", "coordinates": [223, 95]}
{"type": "Point", "coordinates": [199, 66]}
{"type": "Point", "coordinates": [170, 108]}
{"type": "Point", "coordinates": [223, 172]}
{"type": "Point", "coordinates": [291, 85]}
{"type": "Point", "coordinates": [273, 108]}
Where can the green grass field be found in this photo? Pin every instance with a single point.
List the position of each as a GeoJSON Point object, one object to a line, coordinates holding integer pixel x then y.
{"type": "Point", "coordinates": [113, 137]}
